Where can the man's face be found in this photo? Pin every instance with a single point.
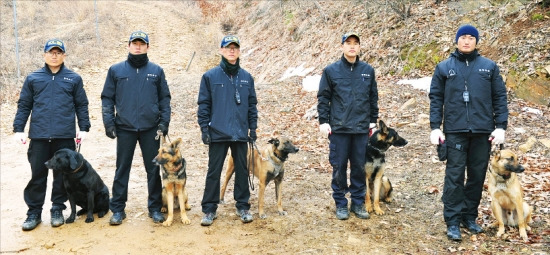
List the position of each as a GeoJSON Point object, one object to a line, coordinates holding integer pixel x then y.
{"type": "Point", "coordinates": [351, 47]}
{"type": "Point", "coordinates": [466, 44]}
{"type": "Point", "coordinates": [55, 57]}
{"type": "Point", "coordinates": [231, 52]}
{"type": "Point", "coordinates": [138, 47]}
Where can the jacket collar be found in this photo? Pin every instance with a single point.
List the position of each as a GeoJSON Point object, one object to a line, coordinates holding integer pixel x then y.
{"type": "Point", "coordinates": [48, 70]}
{"type": "Point", "coordinates": [347, 63]}
{"type": "Point", "coordinates": [463, 57]}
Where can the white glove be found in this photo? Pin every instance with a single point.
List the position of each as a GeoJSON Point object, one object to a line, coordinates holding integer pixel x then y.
{"type": "Point", "coordinates": [20, 137]}
{"type": "Point", "coordinates": [81, 135]}
{"type": "Point", "coordinates": [436, 135]}
{"type": "Point", "coordinates": [372, 128]}
{"type": "Point", "coordinates": [325, 129]}
{"type": "Point", "coordinates": [497, 136]}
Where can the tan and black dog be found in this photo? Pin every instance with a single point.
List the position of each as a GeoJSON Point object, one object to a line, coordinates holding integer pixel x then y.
{"type": "Point", "coordinates": [174, 177]}
{"type": "Point", "coordinates": [506, 193]}
{"type": "Point", "coordinates": [267, 164]}
{"type": "Point", "coordinates": [83, 185]}
{"type": "Point", "coordinates": [378, 185]}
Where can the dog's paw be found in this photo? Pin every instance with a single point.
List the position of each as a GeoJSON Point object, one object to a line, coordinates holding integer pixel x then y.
{"type": "Point", "coordinates": [187, 207]}
{"type": "Point", "coordinates": [185, 221]}
{"type": "Point", "coordinates": [89, 219]}
{"type": "Point", "coordinates": [378, 211]}
{"type": "Point", "coordinates": [70, 219]}
{"type": "Point", "coordinates": [163, 210]}
{"type": "Point", "coordinates": [368, 207]}
{"type": "Point", "coordinates": [167, 223]}
{"type": "Point", "coordinates": [500, 232]}
{"type": "Point", "coordinates": [388, 200]}
{"type": "Point", "coordinates": [283, 213]}
{"type": "Point", "coordinates": [101, 214]}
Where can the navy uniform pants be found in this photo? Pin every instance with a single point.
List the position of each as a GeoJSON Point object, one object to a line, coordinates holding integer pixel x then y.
{"type": "Point", "coordinates": [217, 152]}
{"type": "Point", "coordinates": [460, 199]}
{"type": "Point", "coordinates": [34, 194]}
{"type": "Point", "coordinates": [344, 148]}
{"type": "Point", "coordinates": [126, 145]}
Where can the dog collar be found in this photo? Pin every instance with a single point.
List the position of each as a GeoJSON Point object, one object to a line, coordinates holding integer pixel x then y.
{"type": "Point", "coordinates": [78, 168]}
{"type": "Point", "coordinates": [283, 159]}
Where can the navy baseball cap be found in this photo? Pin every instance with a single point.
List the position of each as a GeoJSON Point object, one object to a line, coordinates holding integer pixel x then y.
{"type": "Point", "coordinates": [52, 43]}
{"type": "Point", "coordinates": [347, 35]}
{"type": "Point", "coordinates": [229, 39]}
{"type": "Point", "coordinates": [139, 35]}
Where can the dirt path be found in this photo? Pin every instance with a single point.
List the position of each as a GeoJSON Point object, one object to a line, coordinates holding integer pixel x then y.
{"type": "Point", "coordinates": [413, 224]}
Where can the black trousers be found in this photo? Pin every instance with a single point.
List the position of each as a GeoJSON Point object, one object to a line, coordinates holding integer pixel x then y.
{"type": "Point", "coordinates": [216, 156]}
{"type": "Point", "coordinates": [344, 148]}
{"type": "Point", "coordinates": [461, 200]}
{"type": "Point", "coordinates": [34, 194]}
{"type": "Point", "coordinates": [126, 145]}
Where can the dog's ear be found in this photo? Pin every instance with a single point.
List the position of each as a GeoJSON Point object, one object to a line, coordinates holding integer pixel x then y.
{"type": "Point", "coordinates": [176, 143]}
{"type": "Point", "coordinates": [73, 161]}
{"type": "Point", "coordinates": [383, 127]}
{"type": "Point", "coordinates": [274, 141]}
{"type": "Point", "coordinates": [495, 154]}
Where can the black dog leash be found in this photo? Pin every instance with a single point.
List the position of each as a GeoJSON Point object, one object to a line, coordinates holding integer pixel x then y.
{"type": "Point", "coordinates": [251, 160]}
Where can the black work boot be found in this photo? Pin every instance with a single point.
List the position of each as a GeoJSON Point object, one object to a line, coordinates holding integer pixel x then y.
{"type": "Point", "coordinates": [359, 211]}
{"type": "Point", "coordinates": [31, 222]}
{"type": "Point", "coordinates": [158, 217]}
{"type": "Point", "coordinates": [472, 226]}
{"type": "Point", "coordinates": [117, 218]}
{"type": "Point", "coordinates": [342, 213]}
{"type": "Point", "coordinates": [453, 233]}
{"type": "Point", "coordinates": [57, 217]}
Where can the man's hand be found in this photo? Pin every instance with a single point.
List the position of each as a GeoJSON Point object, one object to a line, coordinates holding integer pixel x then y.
{"type": "Point", "coordinates": [436, 136]}
{"type": "Point", "coordinates": [205, 137]}
{"type": "Point", "coordinates": [497, 136]}
{"type": "Point", "coordinates": [81, 135]}
{"type": "Point", "coordinates": [111, 132]}
{"type": "Point", "coordinates": [163, 128]}
{"type": "Point", "coordinates": [252, 135]}
{"type": "Point", "coordinates": [325, 129]}
{"type": "Point", "coordinates": [372, 128]}
{"type": "Point", "coordinates": [20, 137]}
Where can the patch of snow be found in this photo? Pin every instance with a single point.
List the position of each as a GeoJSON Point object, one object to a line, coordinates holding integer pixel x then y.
{"type": "Point", "coordinates": [298, 71]}
{"type": "Point", "coordinates": [422, 83]}
{"type": "Point", "coordinates": [311, 83]}
{"type": "Point", "coordinates": [532, 110]}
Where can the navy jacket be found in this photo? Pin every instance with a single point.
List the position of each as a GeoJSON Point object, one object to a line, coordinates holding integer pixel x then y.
{"type": "Point", "coordinates": [487, 107]}
{"type": "Point", "coordinates": [135, 99]}
{"type": "Point", "coordinates": [52, 101]}
{"type": "Point", "coordinates": [219, 112]}
{"type": "Point", "coordinates": [348, 97]}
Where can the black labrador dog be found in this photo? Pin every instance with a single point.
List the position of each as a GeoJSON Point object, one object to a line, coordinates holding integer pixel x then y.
{"type": "Point", "coordinates": [84, 186]}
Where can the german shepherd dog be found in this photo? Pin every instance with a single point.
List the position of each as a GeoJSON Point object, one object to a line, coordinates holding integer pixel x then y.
{"type": "Point", "coordinates": [174, 177]}
{"type": "Point", "coordinates": [82, 183]}
{"type": "Point", "coordinates": [266, 169]}
{"type": "Point", "coordinates": [378, 185]}
{"type": "Point", "coordinates": [506, 193]}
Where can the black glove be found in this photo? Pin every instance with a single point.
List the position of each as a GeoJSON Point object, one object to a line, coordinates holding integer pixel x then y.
{"type": "Point", "coordinates": [252, 135]}
{"type": "Point", "coordinates": [163, 128]}
{"type": "Point", "coordinates": [205, 137]}
{"type": "Point", "coordinates": [111, 132]}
